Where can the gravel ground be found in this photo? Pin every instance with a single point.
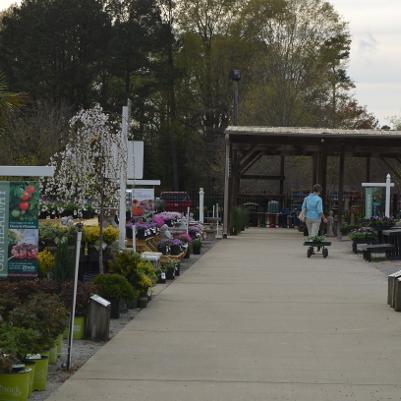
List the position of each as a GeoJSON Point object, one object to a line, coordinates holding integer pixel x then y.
{"type": "Point", "coordinates": [83, 349]}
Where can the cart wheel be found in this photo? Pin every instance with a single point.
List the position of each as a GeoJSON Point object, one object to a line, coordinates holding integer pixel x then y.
{"type": "Point", "coordinates": [325, 252]}
{"type": "Point", "coordinates": [309, 252]}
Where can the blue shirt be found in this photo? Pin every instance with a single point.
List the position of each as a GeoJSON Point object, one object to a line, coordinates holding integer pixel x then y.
{"type": "Point", "coordinates": [313, 207]}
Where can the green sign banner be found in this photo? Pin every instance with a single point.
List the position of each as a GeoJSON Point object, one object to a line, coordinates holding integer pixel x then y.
{"type": "Point", "coordinates": [19, 228]}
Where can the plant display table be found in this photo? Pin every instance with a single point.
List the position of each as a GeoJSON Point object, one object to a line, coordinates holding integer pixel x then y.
{"type": "Point", "coordinates": [166, 259]}
{"type": "Point", "coordinates": [146, 245]}
{"type": "Point", "coordinates": [368, 250]}
{"type": "Point", "coordinates": [393, 237]}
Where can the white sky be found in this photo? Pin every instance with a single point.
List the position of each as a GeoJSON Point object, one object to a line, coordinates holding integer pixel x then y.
{"type": "Point", "coordinates": [376, 52]}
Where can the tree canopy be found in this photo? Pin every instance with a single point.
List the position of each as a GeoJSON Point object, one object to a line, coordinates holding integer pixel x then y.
{"type": "Point", "coordinates": [172, 59]}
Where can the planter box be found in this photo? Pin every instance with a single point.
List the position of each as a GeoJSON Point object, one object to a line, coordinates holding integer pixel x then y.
{"type": "Point", "coordinates": [41, 371]}
{"type": "Point", "coordinates": [15, 386]}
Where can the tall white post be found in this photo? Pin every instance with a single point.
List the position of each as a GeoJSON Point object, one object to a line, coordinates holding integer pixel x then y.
{"type": "Point", "coordinates": [217, 219]}
{"type": "Point", "coordinates": [74, 298]}
{"type": "Point", "coordinates": [388, 197]}
{"type": "Point", "coordinates": [188, 212]}
{"type": "Point", "coordinates": [201, 205]}
{"type": "Point", "coordinates": [214, 210]}
{"type": "Point", "coordinates": [123, 181]}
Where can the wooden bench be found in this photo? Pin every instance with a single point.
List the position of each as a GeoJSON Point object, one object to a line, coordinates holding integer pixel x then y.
{"type": "Point", "coordinates": [378, 248]}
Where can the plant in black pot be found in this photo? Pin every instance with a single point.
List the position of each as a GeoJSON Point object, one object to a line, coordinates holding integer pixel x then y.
{"type": "Point", "coordinates": [196, 246]}
{"type": "Point", "coordinates": [176, 246]}
{"type": "Point", "coordinates": [115, 287]}
{"type": "Point", "coordinates": [364, 235]}
{"type": "Point", "coordinates": [170, 270]}
{"type": "Point", "coordinates": [126, 264]}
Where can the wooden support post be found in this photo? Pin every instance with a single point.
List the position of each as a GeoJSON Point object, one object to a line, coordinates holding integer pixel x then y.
{"type": "Point", "coordinates": [368, 169]}
{"type": "Point", "coordinates": [282, 178]}
{"type": "Point", "coordinates": [341, 194]}
{"type": "Point", "coordinates": [235, 178]}
{"type": "Point", "coordinates": [315, 161]}
{"type": "Point", "coordinates": [323, 175]}
{"type": "Point", "coordinates": [226, 222]}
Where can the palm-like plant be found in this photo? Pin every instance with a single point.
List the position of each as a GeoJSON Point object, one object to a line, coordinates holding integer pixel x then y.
{"type": "Point", "coordinates": [9, 101]}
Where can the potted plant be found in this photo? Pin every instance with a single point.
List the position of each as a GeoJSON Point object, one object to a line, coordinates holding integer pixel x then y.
{"type": "Point", "coordinates": [363, 235]}
{"type": "Point", "coordinates": [146, 278]}
{"type": "Point", "coordinates": [84, 292]}
{"type": "Point", "coordinates": [46, 314]}
{"type": "Point", "coordinates": [170, 271]}
{"type": "Point", "coordinates": [196, 246]}
{"type": "Point", "coordinates": [175, 247]}
{"type": "Point", "coordinates": [114, 287]}
{"type": "Point", "coordinates": [16, 380]}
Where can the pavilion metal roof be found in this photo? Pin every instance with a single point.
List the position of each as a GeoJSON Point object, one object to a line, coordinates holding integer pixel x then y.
{"type": "Point", "coordinates": [312, 132]}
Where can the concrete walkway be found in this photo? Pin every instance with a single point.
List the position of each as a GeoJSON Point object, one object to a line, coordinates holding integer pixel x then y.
{"type": "Point", "coordinates": [255, 319]}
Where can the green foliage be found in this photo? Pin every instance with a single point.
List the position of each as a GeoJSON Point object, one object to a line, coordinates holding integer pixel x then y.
{"type": "Point", "coordinates": [15, 293]}
{"type": "Point", "coordinates": [43, 313]}
{"type": "Point", "coordinates": [363, 236]}
{"type": "Point", "coordinates": [317, 239]}
{"type": "Point", "coordinates": [115, 286]}
{"type": "Point", "coordinates": [347, 228]}
{"type": "Point", "coordinates": [64, 267]}
{"type": "Point", "coordinates": [196, 246]}
{"type": "Point", "coordinates": [84, 292]}
{"type": "Point", "coordinates": [173, 60]}
{"type": "Point", "coordinates": [126, 264]}
{"type": "Point", "coordinates": [50, 234]}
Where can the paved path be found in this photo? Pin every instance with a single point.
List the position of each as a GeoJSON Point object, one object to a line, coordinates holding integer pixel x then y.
{"type": "Point", "coordinates": [255, 319]}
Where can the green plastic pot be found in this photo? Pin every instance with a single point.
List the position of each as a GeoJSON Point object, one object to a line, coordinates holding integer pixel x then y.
{"type": "Point", "coordinates": [41, 370]}
{"type": "Point", "coordinates": [31, 365]}
{"type": "Point", "coordinates": [79, 328]}
{"type": "Point", "coordinates": [53, 354]}
{"type": "Point", "coordinates": [59, 344]}
{"type": "Point", "coordinates": [15, 386]}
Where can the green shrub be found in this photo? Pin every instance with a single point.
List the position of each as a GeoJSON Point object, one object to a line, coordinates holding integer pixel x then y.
{"type": "Point", "coordinates": [196, 246]}
{"type": "Point", "coordinates": [84, 292]}
{"type": "Point", "coordinates": [115, 286]}
{"type": "Point", "coordinates": [64, 267]}
{"type": "Point", "coordinates": [44, 314]}
{"type": "Point", "coordinates": [126, 263]}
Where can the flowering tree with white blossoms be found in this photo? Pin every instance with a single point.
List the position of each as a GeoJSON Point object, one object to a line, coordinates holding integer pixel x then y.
{"type": "Point", "coordinates": [88, 169]}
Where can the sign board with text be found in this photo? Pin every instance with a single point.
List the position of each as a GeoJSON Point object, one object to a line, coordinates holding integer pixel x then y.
{"type": "Point", "coordinates": [135, 159]}
{"type": "Point", "coordinates": [19, 229]}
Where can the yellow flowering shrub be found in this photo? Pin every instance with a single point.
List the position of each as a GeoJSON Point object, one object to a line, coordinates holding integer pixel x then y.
{"type": "Point", "coordinates": [91, 234]}
{"type": "Point", "coordinates": [110, 235]}
{"type": "Point", "coordinates": [47, 261]}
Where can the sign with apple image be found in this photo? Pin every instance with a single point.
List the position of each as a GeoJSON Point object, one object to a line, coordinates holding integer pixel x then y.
{"type": "Point", "coordinates": [19, 230]}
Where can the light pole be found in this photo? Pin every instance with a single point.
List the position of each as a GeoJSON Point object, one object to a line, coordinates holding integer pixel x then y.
{"type": "Point", "coordinates": [235, 76]}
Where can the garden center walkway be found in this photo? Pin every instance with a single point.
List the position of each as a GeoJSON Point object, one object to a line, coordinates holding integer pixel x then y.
{"type": "Point", "coordinates": [255, 319]}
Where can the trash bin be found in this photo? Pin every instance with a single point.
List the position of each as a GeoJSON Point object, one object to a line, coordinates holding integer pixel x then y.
{"type": "Point", "coordinates": [98, 319]}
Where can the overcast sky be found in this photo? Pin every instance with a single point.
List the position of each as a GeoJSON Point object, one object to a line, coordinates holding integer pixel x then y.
{"type": "Point", "coordinates": [375, 64]}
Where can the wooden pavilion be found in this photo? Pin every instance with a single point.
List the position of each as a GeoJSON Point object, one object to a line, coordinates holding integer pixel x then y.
{"type": "Point", "coordinates": [246, 145]}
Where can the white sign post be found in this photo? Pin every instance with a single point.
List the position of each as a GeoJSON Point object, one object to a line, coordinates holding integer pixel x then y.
{"type": "Point", "coordinates": [123, 181]}
{"type": "Point", "coordinates": [387, 185]}
{"type": "Point", "coordinates": [201, 205]}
